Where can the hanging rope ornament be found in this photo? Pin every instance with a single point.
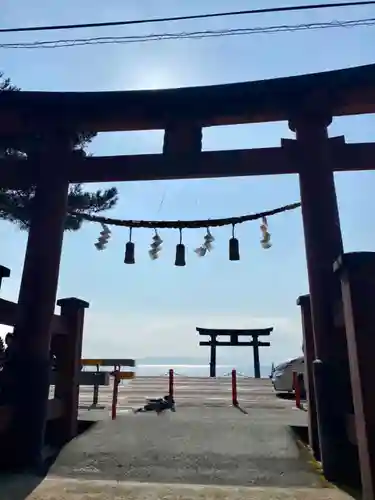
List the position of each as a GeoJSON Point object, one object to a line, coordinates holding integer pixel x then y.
{"type": "Point", "coordinates": [207, 245]}
{"type": "Point", "coordinates": [155, 246]}
{"type": "Point", "coordinates": [154, 251]}
{"type": "Point", "coordinates": [104, 236]}
{"type": "Point", "coordinates": [130, 250]}
{"type": "Point", "coordinates": [266, 237]}
{"type": "Point", "coordinates": [234, 247]}
{"type": "Point", "coordinates": [180, 253]}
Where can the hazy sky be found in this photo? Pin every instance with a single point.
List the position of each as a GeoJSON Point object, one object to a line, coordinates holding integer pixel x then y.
{"type": "Point", "coordinates": [152, 308]}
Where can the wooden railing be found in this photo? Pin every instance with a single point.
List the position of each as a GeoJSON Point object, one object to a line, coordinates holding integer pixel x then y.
{"type": "Point", "coordinates": [66, 344]}
{"type": "Point", "coordinates": [8, 316]}
{"type": "Point", "coordinates": [55, 411]}
{"type": "Point", "coordinates": [117, 364]}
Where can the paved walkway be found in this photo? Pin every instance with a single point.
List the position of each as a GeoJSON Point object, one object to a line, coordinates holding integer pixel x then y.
{"type": "Point", "coordinates": [72, 489]}
{"type": "Point", "coordinates": [206, 450]}
{"type": "Point", "coordinates": [190, 392]}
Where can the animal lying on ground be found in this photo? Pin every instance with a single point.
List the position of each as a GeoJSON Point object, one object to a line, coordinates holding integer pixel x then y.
{"type": "Point", "coordinates": [158, 405]}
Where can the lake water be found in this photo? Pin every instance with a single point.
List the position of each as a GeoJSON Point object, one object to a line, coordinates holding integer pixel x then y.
{"type": "Point", "coordinates": [154, 370]}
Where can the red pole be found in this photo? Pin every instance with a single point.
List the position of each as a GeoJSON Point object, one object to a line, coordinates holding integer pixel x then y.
{"type": "Point", "coordinates": [116, 376]}
{"type": "Point", "coordinates": [297, 389]}
{"type": "Point", "coordinates": [171, 383]}
{"type": "Point", "coordinates": [234, 388]}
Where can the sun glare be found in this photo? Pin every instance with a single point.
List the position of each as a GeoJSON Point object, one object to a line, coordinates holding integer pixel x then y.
{"type": "Point", "coordinates": [154, 79]}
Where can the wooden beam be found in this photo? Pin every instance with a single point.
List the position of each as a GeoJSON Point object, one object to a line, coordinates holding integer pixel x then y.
{"type": "Point", "coordinates": [108, 362]}
{"type": "Point", "coordinates": [236, 344]}
{"type": "Point", "coordinates": [16, 174]}
{"type": "Point", "coordinates": [126, 375]}
{"type": "Point", "coordinates": [8, 316]}
{"type": "Point", "coordinates": [149, 167]}
{"type": "Point", "coordinates": [85, 378]}
{"type": "Point", "coordinates": [208, 164]}
{"type": "Point", "coordinates": [342, 92]}
{"type": "Point", "coordinates": [248, 333]}
{"type": "Point", "coordinates": [354, 157]}
{"type": "Point", "coordinates": [213, 164]}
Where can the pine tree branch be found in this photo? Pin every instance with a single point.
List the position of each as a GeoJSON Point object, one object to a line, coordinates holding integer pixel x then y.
{"type": "Point", "coordinates": [17, 205]}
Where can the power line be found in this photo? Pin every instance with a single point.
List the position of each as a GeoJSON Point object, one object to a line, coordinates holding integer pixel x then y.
{"type": "Point", "coordinates": [191, 17]}
{"type": "Point", "coordinates": [54, 44]}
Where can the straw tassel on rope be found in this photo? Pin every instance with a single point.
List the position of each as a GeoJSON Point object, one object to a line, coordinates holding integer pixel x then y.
{"type": "Point", "coordinates": [104, 236]}
{"type": "Point", "coordinates": [206, 246]}
{"type": "Point", "coordinates": [155, 246]}
{"type": "Point", "coordinates": [180, 260]}
{"type": "Point", "coordinates": [266, 237]}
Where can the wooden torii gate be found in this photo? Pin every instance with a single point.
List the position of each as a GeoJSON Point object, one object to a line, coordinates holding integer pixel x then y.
{"type": "Point", "coordinates": [234, 341]}
{"type": "Point", "coordinates": [308, 103]}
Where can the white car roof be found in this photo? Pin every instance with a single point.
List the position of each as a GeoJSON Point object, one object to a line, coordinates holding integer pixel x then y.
{"type": "Point", "coordinates": [289, 362]}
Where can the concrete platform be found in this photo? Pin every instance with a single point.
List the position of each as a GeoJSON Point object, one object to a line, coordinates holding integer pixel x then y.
{"type": "Point", "coordinates": [73, 489]}
{"type": "Point", "coordinates": [206, 450]}
{"type": "Point", "coordinates": [190, 392]}
{"type": "Point", "coordinates": [197, 446]}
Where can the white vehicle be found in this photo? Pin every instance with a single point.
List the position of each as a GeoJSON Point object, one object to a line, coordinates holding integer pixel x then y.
{"type": "Point", "coordinates": [282, 376]}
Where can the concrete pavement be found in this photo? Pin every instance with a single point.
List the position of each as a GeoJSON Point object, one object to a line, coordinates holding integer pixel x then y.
{"type": "Point", "coordinates": [55, 488]}
{"type": "Point", "coordinates": [190, 392]}
{"type": "Point", "coordinates": [206, 450]}
{"type": "Point", "coordinates": [194, 445]}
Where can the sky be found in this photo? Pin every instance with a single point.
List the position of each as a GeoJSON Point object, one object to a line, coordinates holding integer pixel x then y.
{"type": "Point", "coordinates": [153, 307]}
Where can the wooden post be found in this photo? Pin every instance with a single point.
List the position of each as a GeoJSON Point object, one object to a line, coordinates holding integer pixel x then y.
{"type": "Point", "coordinates": [213, 356]}
{"type": "Point", "coordinates": [116, 382]}
{"type": "Point", "coordinates": [182, 138]}
{"type": "Point", "coordinates": [171, 383]}
{"type": "Point", "coordinates": [69, 368]}
{"type": "Point", "coordinates": [357, 272]}
{"type": "Point", "coordinates": [323, 243]}
{"type": "Point", "coordinates": [256, 356]}
{"type": "Point", "coordinates": [309, 353]}
{"type": "Point", "coordinates": [95, 393]}
{"type": "Point", "coordinates": [30, 363]}
{"type": "Point", "coordinates": [234, 388]}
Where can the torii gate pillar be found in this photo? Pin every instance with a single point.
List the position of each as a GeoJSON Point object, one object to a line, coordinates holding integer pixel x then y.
{"type": "Point", "coordinates": [30, 361]}
{"type": "Point", "coordinates": [323, 242]}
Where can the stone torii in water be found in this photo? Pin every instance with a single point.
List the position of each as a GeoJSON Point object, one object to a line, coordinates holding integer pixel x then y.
{"type": "Point", "coordinates": [234, 341]}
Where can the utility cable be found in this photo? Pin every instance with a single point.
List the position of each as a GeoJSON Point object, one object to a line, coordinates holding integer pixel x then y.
{"type": "Point", "coordinates": [191, 17]}
{"type": "Point", "coordinates": [54, 44]}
